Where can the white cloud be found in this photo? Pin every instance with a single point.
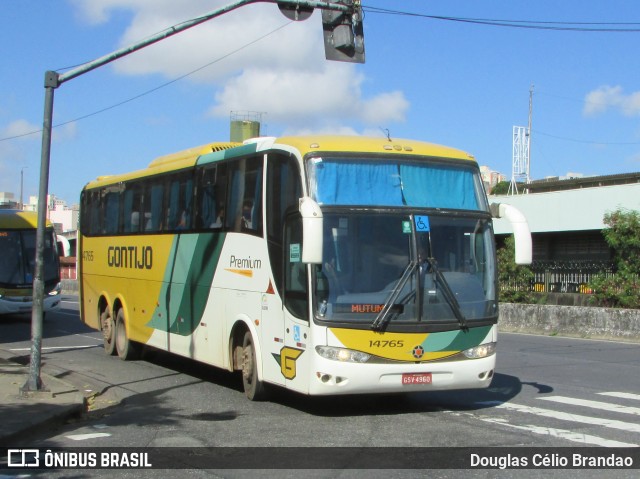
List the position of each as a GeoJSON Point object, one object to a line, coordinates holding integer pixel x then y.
{"type": "Point", "coordinates": [611, 97]}
{"type": "Point", "coordinates": [65, 132]}
{"type": "Point", "coordinates": [310, 99]}
{"type": "Point", "coordinates": [23, 149]}
{"type": "Point", "coordinates": [259, 62]}
{"type": "Point", "coordinates": [14, 153]}
{"type": "Point", "coordinates": [21, 129]}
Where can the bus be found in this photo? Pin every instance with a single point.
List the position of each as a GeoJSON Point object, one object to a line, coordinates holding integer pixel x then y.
{"type": "Point", "coordinates": [17, 263]}
{"type": "Point", "coordinates": [322, 264]}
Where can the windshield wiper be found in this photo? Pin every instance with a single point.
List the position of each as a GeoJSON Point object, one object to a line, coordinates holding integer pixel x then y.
{"type": "Point", "coordinates": [449, 296]}
{"type": "Point", "coordinates": [383, 315]}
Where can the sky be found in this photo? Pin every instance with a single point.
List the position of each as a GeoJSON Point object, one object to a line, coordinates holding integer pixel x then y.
{"type": "Point", "coordinates": [458, 83]}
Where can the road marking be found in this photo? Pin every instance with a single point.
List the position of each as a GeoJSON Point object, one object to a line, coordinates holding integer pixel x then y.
{"type": "Point", "coordinates": [622, 395]}
{"type": "Point", "coordinates": [610, 423]}
{"type": "Point", "coordinates": [561, 433]}
{"type": "Point", "coordinates": [55, 347]}
{"type": "Point", "coordinates": [605, 406]}
{"type": "Point", "coordinates": [86, 336]}
{"type": "Point", "coordinates": [84, 437]}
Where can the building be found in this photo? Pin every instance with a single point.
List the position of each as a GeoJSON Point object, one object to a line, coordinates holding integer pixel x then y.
{"type": "Point", "coordinates": [566, 216]}
{"type": "Point", "coordinates": [566, 219]}
{"type": "Point", "coordinates": [7, 200]}
{"type": "Point", "coordinates": [490, 178]}
{"type": "Point", "coordinates": [65, 219]}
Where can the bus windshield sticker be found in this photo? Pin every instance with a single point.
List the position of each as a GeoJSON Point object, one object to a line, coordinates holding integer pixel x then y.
{"type": "Point", "coordinates": [294, 253]}
{"type": "Point", "coordinates": [406, 227]}
{"type": "Point", "coordinates": [422, 224]}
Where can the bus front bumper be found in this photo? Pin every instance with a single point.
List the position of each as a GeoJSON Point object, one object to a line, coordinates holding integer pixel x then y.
{"type": "Point", "coordinates": [331, 377]}
{"type": "Point", "coordinates": [22, 305]}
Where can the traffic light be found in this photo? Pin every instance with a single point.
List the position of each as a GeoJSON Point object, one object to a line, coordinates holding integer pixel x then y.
{"type": "Point", "coordinates": [343, 33]}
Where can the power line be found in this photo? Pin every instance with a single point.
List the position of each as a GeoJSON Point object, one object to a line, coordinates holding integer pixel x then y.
{"type": "Point", "coordinates": [610, 27]}
{"type": "Point", "coordinates": [152, 90]}
{"type": "Point", "coordinates": [591, 142]}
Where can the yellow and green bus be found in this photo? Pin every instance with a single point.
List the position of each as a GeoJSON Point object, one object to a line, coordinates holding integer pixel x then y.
{"type": "Point", "coordinates": [322, 264]}
{"type": "Point", "coordinates": [17, 263]}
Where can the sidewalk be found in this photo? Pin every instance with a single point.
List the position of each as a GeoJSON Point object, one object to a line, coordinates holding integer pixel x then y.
{"type": "Point", "coordinates": [21, 415]}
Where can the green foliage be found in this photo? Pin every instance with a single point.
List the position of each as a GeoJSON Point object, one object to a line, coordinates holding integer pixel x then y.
{"type": "Point", "coordinates": [623, 235]}
{"type": "Point", "coordinates": [514, 280]}
{"type": "Point", "coordinates": [500, 188]}
{"type": "Point", "coordinates": [621, 290]}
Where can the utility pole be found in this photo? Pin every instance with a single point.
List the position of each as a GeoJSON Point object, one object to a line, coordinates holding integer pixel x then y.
{"type": "Point", "coordinates": [521, 163]}
{"type": "Point", "coordinates": [529, 134]}
{"type": "Point", "coordinates": [350, 44]}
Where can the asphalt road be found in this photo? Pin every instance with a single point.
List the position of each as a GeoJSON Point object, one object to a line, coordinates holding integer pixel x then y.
{"type": "Point", "coordinates": [548, 392]}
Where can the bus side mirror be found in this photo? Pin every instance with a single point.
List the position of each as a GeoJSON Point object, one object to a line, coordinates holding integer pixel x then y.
{"type": "Point", "coordinates": [311, 231]}
{"type": "Point", "coordinates": [521, 232]}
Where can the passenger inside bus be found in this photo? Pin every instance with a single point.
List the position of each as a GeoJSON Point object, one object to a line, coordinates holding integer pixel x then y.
{"type": "Point", "coordinates": [247, 213]}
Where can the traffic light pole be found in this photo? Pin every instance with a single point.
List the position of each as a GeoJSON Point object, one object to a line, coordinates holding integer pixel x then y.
{"type": "Point", "coordinates": [52, 81]}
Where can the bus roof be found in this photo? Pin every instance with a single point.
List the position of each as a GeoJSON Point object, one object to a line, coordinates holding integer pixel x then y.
{"type": "Point", "coordinates": [173, 161]}
{"type": "Point", "coordinates": [19, 220]}
{"type": "Point", "coordinates": [354, 144]}
{"type": "Point", "coordinates": [304, 144]}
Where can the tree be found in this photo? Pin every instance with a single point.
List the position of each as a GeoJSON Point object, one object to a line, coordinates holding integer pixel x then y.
{"type": "Point", "coordinates": [623, 235]}
{"type": "Point", "coordinates": [514, 280]}
{"type": "Point", "coordinates": [500, 188]}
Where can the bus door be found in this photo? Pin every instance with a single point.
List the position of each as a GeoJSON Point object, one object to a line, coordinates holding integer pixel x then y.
{"type": "Point", "coordinates": [272, 336]}
{"type": "Point", "coordinates": [294, 355]}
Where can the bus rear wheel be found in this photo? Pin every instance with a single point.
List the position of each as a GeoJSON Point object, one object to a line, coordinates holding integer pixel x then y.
{"type": "Point", "coordinates": [108, 332]}
{"type": "Point", "coordinates": [127, 349]}
{"type": "Point", "coordinates": [254, 389]}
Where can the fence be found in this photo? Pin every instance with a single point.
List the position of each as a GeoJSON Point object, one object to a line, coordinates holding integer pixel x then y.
{"type": "Point", "coordinates": [561, 276]}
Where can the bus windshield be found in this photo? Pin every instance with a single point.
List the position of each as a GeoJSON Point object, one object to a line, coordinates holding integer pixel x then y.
{"type": "Point", "coordinates": [17, 258]}
{"type": "Point", "coordinates": [419, 268]}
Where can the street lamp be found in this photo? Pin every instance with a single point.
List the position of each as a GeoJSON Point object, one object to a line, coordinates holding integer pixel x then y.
{"type": "Point", "coordinates": [21, 185]}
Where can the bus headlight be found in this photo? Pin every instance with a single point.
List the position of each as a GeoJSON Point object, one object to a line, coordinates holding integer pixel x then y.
{"type": "Point", "coordinates": [342, 354]}
{"type": "Point", "coordinates": [481, 351]}
{"type": "Point", "coordinates": [56, 291]}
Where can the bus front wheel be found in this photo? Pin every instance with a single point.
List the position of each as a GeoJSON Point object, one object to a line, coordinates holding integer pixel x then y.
{"type": "Point", "coordinates": [108, 332]}
{"type": "Point", "coordinates": [254, 389]}
{"type": "Point", "coordinates": [126, 348]}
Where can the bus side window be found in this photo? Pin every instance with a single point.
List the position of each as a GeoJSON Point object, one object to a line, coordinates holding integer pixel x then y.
{"type": "Point", "coordinates": [132, 208]}
{"type": "Point", "coordinates": [244, 212]}
{"type": "Point", "coordinates": [180, 201]}
{"type": "Point", "coordinates": [91, 214]}
{"type": "Point", "coordinates": [284, 190]}
{"type": "Point", "coordinates": [210, 200]}
{"type": "Point", "coordinates": [153, 203]}
{"type": "Point", "coordinates": [111, 212]}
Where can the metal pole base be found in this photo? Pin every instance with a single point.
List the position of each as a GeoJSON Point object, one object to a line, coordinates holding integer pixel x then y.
{"type": "Point", "coordinates": [33, 387]}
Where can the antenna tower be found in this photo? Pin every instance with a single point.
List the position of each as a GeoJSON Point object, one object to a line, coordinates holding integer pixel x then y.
{"type": "Point", "coordinates": [521, 165]}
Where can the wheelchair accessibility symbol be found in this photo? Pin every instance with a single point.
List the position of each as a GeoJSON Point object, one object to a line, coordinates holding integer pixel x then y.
{"type": "Point", "coordinates": [422, 223]}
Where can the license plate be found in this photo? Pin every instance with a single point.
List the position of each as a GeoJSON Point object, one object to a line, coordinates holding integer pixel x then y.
{"type": "Point", "coordinates": [417, 378]}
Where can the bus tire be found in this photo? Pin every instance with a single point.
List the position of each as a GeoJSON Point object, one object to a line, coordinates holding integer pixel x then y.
{"type": "Point", "coordinates": [254, 389]}
{"type": "Point", "coordinates": [126, 349]}
{"type": "Point", "coordinates": [108, 332]}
